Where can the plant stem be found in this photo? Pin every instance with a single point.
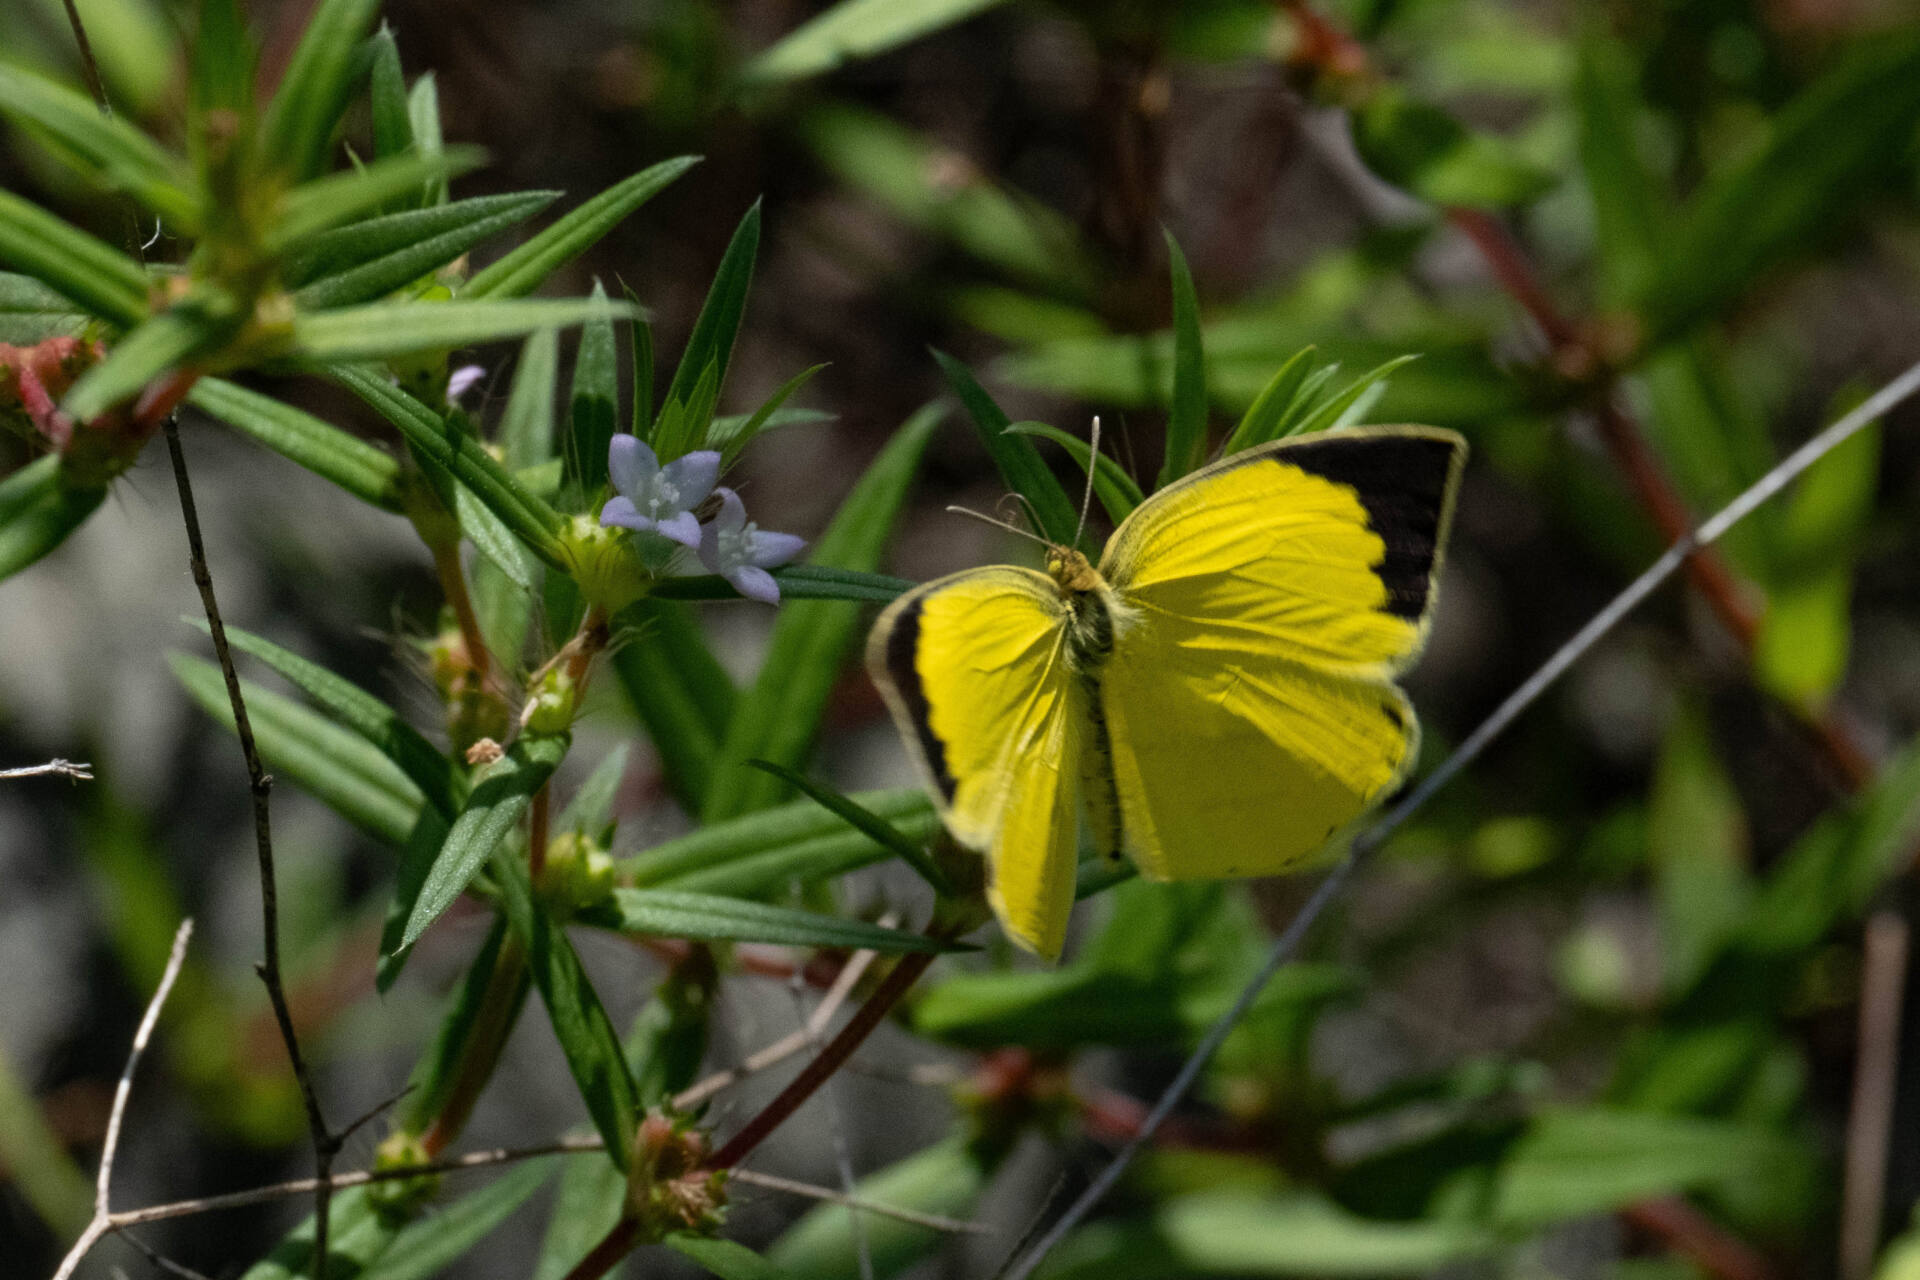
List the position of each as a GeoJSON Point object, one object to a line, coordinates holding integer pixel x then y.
{"type": "Point", "coordinates": [499, 1010]}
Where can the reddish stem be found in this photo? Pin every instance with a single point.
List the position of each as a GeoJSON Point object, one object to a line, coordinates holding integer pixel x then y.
{"type": "Point", "coordinates": [1697, 1238]}
{"type": "Point", "coordinates": [606, 1255]}
{"type": "Point", "coordinates": [828, 1061]}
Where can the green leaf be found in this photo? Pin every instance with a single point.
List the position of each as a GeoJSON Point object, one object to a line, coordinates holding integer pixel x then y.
{"type": "Point", "coordinates": [706, 917]}
{"type": "Point", "coordinates": [423, 113]}
{"type": "Point", "coordinates": [595, 401]}
{"type": "Point", "coordinates": [1018, 461]}
{"type": "Point", "coordinates": [1243, 1232]}
{"type": "Point", "coordinates": [592, 802]}
{"type": "Point", "coordinates": [369, 474]}
{"type": "Point", "coordinates": [1576, 1163]}
{"type": "Point", "coordinates": [1832, 146]}
{"type": "Point", "coordinates": [526, 427]}
{"type": "Point", "coordinates": [640, 338]}
{"type": "Point", "coordinates": [37, 512]}
{"type": "Point", "coordinates": [1187, 417]}
{"type": "Point", "coordinates": [724, 1258]}
{"type": "Point", "coordinates": [856, 29]}
{"type": "Point", "coordinates": [1632, 219]}
{"type": "Point", "coordinates": [112, 152]}
{"type": "Point", "coordinates": [405, 328]}
{"type": "Point", "coordinates": [680, 692]}
{"type": "Point", "coordinates": [1697, 851]}
{"type": "Point", "coordinates": [710, 345]}
{"type": "Point", "coordinates": [1417, 146]}
{"type": "Point", "coordinates": [312, 96]}
{"type": "Point", "coordinates": [340, 768]}
{"type": "Point", "coordinates": [773, 848]}
{"type": "Point", "coordinates": [424, 1248]}
{"type": "Point", "coordinates": [591, 1198]}
{"type": "Point", "coordinates": [97, 277]}
{"type": "Point", "coordinates": [580, 1021]}
{"type": "Point", "coordinates": [797, 582]}
{"type": "Point", "coordinates": [387, 93]}
{"type": "Point", "coordinates": [498, 962]}
{"type": "Point", "coordinates": [324, 203]}
{"type": "Point", "coordinates": [728, 432]}
{"type": "Point", "coordinates": [492, 538]}
{"type": "Point", "coordinates": [947, 1178]}
{"type": "Point", "coordinates": [1801, 652]}
{"type": "Point", "coordinates": [1262, 420]}
{"type": "Point", "coordinates": [730, 436]}
{"type": "Point", "coordinates": [530, 519]}
{"type": "Point", "coordinates": [1342, 409]}
{"type": "Point", "coordinates": [30, 312]}
{"type": "Point", "coordinates": [167, 341]}
{"type": "Point", "coordinates": [942, 193]}
{"type": "Point", "coordinates": [501, 793]}
{"type": "Point", "coordinates": [370, 259]}
{"type": "Point", "coordinates": [356, 709]}
{"type": "Point", "coordinates": [779, 717]}
{"type": "Point", "coordinates": [865, 821]}
{"type": "Point", "coordinates": [221, 69]}
{"type": "Point", "coordinates": [43, 1174]}
{"type": "Point", "coordinates": [522, 270]}
{"type": "Point", "coordinates": [1118, 493]}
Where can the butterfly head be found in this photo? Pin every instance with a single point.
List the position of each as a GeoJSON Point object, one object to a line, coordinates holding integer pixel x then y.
{"type": "Point", "coordinates": [1072, 572]}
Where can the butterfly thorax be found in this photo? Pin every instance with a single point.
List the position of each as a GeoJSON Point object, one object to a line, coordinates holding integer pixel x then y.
{"type": "Point", "coordinates": [1092, 607]}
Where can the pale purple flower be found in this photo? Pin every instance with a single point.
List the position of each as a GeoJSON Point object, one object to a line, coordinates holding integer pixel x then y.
{"type": "Point", "coordinates": [657, 499]}
{"type": "Point", "coordinates": [741, 552]}
{"type": "Point", "coordinates": [462, 380]}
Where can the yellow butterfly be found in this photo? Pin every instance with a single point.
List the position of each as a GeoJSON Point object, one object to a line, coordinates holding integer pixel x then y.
{"type": "Point", "coordinates": [1217, 697]}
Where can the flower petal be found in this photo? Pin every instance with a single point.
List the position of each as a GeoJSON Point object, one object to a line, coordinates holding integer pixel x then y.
{"type": "Point", "coordinates": [462, 380]}
{"type": "Point", "coordinates": [621, 511]}
{"type": "Point", "coordinates": [755, 584]}
{"type": "Point", "coordinates": [683, 527]}
{"type": "Point", "coordinates": [631, 464]}
{"type": "Point", "coordinates": [733, 512]}
{"type": "Point", "coordinates": [770, 549]}
{"type": "Point", "coordinates": [694, 476]}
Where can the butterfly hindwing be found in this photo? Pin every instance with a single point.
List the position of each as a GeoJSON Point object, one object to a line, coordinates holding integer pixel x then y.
{"type": "Point", "coordinates": [1268, 601]}
{"type": "Point", "coordinates": [973, 668]}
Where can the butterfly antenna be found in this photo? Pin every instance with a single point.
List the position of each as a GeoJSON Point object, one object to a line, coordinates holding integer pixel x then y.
{"type": "Point", "coordinates": [1093, 469]}
{"type": "Point", "coordinates": [971, 514]}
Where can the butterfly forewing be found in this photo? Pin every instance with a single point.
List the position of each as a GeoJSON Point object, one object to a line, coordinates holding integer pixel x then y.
{"type": "Point", "coordinates": [973, 668]}
{"type": "Point", "coordinates": [1269, 599]}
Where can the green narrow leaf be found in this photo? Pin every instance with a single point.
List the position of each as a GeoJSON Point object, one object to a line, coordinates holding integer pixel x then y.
{"type": "Point", "coordinates": [775, 847]}
{"type": "Point", "coordinates": [115, 154]}
{"type": "Point", "coordinates": [38, 511]}
{"type": "Point", "coordinates": [592, 1196]}
{"type": "Point", "coordinates": [424, 1248]}
{"type": "Point", "coordinates": [429, 239]}
{"type": "Point", "coordinates": [430, 1086]}
{"type": "Point", "coordinates": [97, 277]}
{"type": "Point", "coordinates": [500, 795]}
{"type": "Point", "coordinates": [1117, 492]}
{"type": "Point", "coordinates": [1261, 422]}
{"type": "Point", "coordinates": [946, 1178]}
{"type": "Point", "coordinates": [865, 821]}
{"type": "Point", "coordinates": [423, 113]}
{"type": "Point", "coordinates": [313, 93]}
{"type": "Point", "coordinates": [594, 401]}
{"type": "Point", "coordinates": [640, 335]}
{"type": "Point", "coordinates": [167, 341]}
{"type": "Point", "coordinates": [706, 917]}
{"type": "Point", "coordinates": [43, 1174]}
{"type": "Point", "coordinates": [522, 270]}
{"type": "Point", "coordinates": [358, 1231]}
{"type": "Point", "coordinates": [1829, 149]}
{"type": "Point", "coordinates": [387, 92]}
{"type": "Point", "coordinates": [1018, 461]}
{"type": "Point", "coordinates": [1697, 850]}
{"type": "Point", "coordinates": [221, 69]}
{"type": "Point", "coordinates": [30, 312]}
{"type": "Point", "coordinates": [1187, 414]}
{"type": "Point", "coordinates": [526, 427]}
{"type": "Point", "coordinates": [856, 29]}
{"type": "Point", "coordinates": [679, 690]}
{"type": "Point", "coordinates": [730, 438]}
{"type": "Point", "coordinates": [356, 709]}
{"type": "Point", "coordinates": [580, 1021]}
{"type": "Point", "coordinates": [405, 328]}
{"type": "Point", "coordinates": [591, 804]}
{"type": "Point", "coordinates": [727, 1259]}
{"type": "Point", "coordinates": [1417, 146]}
{"type": "Point", "coordinates": [710, 345]}
{"type": "Point", "coordinates": [530, 519]}
{"type": "Point", "coordinates": [1340, 409]}
{"type": "Point", "coordinates": [797, 582]}
{"type": "Point", "coordinates": [778, 719]}
{"type": "Point", "coordinates": [1631, 219]}
{"type": "Point", "coordinates": [339, 767]}
{"type": "Point", "coordinates": [330, 453]}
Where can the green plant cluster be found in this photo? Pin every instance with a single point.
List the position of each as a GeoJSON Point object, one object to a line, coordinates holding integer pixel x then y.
{"type": "Point", "coordinates": [319, 238]}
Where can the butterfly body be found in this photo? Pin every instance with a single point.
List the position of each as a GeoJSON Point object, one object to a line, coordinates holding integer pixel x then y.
{"type": "Point", "coordinates": [1215, 698]}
